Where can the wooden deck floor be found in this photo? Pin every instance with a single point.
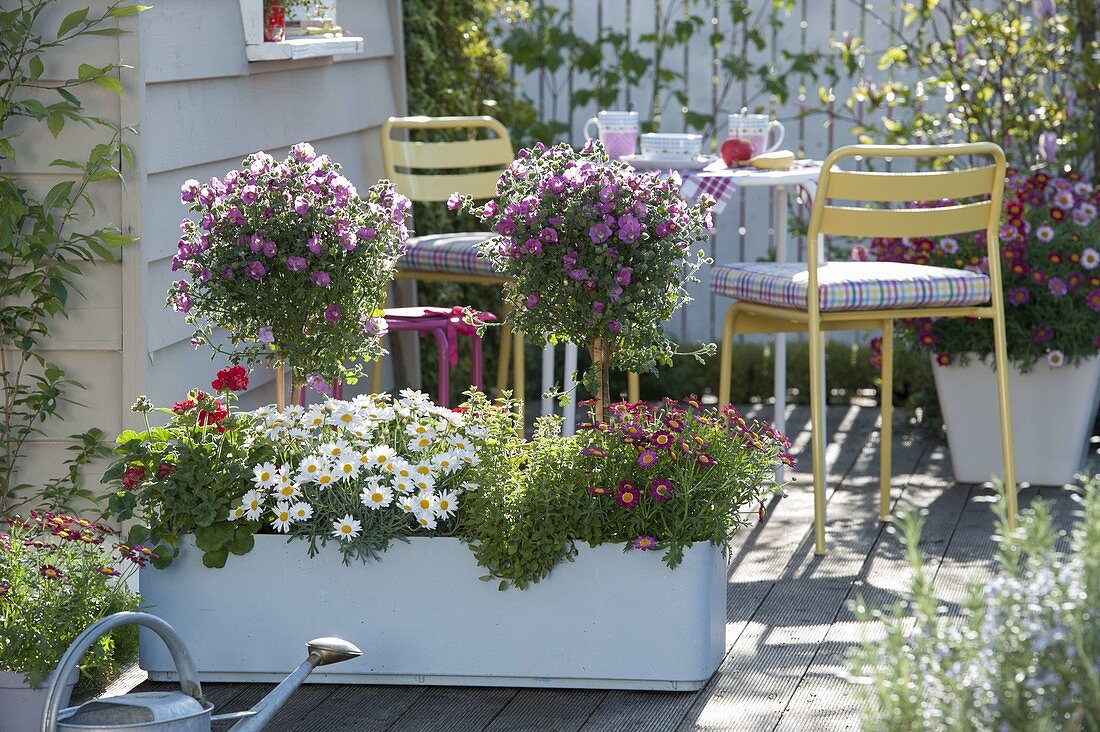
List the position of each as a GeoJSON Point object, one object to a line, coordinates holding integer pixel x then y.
{"type": "Point", "coordinates": [788, 625]}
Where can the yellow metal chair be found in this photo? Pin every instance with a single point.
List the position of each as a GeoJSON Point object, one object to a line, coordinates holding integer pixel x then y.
{"type": "Point", "coordinates": [795, 297]}
{"type": "Point", "coordinates": [432, 171]}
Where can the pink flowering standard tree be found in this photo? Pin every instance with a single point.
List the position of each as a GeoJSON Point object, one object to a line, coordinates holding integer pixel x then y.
{"type": "Point", "coordinates": [291, 260]}
{"type": "Point", "coordinates": [595, 252]}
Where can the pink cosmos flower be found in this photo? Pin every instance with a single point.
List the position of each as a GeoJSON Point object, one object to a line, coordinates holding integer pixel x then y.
{"type": "Point", "coordinates": [645, 543]}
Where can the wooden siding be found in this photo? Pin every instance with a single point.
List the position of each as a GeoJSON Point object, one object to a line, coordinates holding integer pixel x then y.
{"type": "Point", "coordinates": [205, 107]}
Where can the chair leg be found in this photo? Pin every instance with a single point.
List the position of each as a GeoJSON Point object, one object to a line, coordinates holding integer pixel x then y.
{"type": "Point", "coordinates": [633, 387]}
{"type": "Point", "coordinates": [444, 346]}
{"type": "Point", "coordinates": [886, 433]}
{"type": "Point", "coordinates": [817, 432]}
{"type": "Point", "coordinates": [1000, 355]}
{"type": "Point", "coordinates": [726, 363]}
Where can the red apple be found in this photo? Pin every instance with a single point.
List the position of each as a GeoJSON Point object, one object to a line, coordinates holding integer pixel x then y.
{"type": "Point", "coordinates": [735, 150]}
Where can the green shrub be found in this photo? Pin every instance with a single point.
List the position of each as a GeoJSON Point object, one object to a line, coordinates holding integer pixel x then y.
{"type": "Point", "coordinates": [1022, 656]}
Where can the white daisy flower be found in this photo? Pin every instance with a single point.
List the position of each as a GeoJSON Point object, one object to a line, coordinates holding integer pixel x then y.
{"type": "Point", "coordinates": [424, 468]}
{"type": "Point", "coordinates": [1090, 258]}
{"type": "Point", "coordinates": [265, 475]}
{"type": "Point", "coordinates": [294, 411]}
{"type": "Point", "coordinates": [419, 429]}
{"type": "Point", "coordinates": [237, 513]}
{"type": "Point", "coordinates": [403, 485]}
{"type": "Point", "coordinates": [325, 477]}
{"type": "Point", "coordinates": [423, 482]}
{"type": "Point", "coordinates": [468, 457]}
{"type": "Point", "coordinates": [458, 442]}
{"type": "Point", "coordinates": [301, 511]}
{"type": "Point", "coordinates": [297, 433]}
{"type": "Point", "coordinates": [334, 450]}
{"type": "Point", "coordinates": [949, 245]}
{"type": "Point", "coordinates": [446, 463]}
{"type": "Point", "coordinates": [413, 396]}
{"type": "Point", "coordinates": [377, 496]}
{"type": "Point", "coordinates": [315, 417]}
{"type": "Point", "coordinates": [253, 503]}
{"type": "Point", "coordinates": [309, 468]}
{"type": "Point", "coordinates": [407, 504]}
{"type": "Point", "coordinates": [286, 488]}
{"type": "Point", "coordinates": [420, 443]}
{"type": "Point", "coordinates": [261, 413]}
{"type": "Point", "coordinates": [468, 485]}
{"type": "Point", "coordinates": [348, 466]}
{"type": "Point", "coordinates": [347, 528]}
{"type": "Point", "coordinates": [401, 468]}
{"type": "Point", "coordinates": [380, 455]}
{"type": "Point", "coordinates": [283, 517]}
{"type": "Point", "coordinates": [448, 504]}
{"type": "Point", "coordinates": [1055, 359]}
{"type": "Point", "coordinates": [477, 431]}
{"type": "Point", "coordinates": [427, 522]}
{"type": "Point", "coordinates": [427, 503]}
{"type": "Point", "coordinates": [342, 416]}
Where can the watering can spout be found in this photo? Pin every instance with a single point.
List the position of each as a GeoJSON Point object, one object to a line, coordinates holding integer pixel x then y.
{"type": "Point", "coordinates": [322, 651]}
{"type": "Point", "coordinates": [332, 650]}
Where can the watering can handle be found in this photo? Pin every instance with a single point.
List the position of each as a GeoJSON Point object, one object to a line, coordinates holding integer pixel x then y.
{"type": "Point", "coordinates": [189, 679]}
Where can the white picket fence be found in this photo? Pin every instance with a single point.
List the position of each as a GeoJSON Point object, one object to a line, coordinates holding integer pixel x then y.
{"type": "Point", "coordinates": [744, 229]}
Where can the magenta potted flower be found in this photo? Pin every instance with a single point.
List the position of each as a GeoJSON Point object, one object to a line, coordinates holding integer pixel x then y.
{"type": "Point", "coordinates": [1050, 246]}
{"type": "Point", "coordinates": [292, 260]}
{"type": "Point", "coordinates": [595, 252]}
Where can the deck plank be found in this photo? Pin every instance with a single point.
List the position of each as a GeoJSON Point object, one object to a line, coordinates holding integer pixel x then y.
{"type": "Point", "coordinates": [556, 710]}
{"type": "Point", "coordinates": [808, 596]}
{"type": "Point", "coordinates": [454, 709]}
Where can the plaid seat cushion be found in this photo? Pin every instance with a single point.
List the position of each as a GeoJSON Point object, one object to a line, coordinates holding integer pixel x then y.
{"type": "Point", "coordinates": [447, 253]}
{"type": "Point", "coordinates": [850, 285]}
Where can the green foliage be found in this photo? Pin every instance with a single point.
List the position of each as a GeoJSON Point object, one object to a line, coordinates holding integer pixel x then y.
{"type": "Point", "coordinates": [968, 73]}
{"type": "Point", "coordinates": [43, 247]}
{"type": "Point", "coordinates": [56, 579]}
{"type": "Point", "coordinates": [547, 39]}
{"type": "Point", "coordinates": [1022, 656]}
{"type": "Point", "coordinates": [186, 477]}
{"type": "Point", "coordinates": [703, 477]}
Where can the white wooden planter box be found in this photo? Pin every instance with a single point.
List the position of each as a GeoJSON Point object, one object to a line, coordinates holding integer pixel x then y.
{"type": "Point", "coordinates": [1052, 412]}
{"type": "Point", "coordinates": [609, 619]}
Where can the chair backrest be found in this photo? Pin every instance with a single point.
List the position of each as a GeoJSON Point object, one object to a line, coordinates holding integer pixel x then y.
{"type": "Point", "coordinates": [423, 171]}
{"type": "Point", "coordinates": [836, 210]}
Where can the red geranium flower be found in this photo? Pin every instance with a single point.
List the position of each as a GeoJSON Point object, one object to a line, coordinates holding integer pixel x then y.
{"type": "Point", "coordinates": [133, 476]}
{"type": "Point", "coordinates": [181, 407]}
{"type": "Point", "coordinates": [231, 379]}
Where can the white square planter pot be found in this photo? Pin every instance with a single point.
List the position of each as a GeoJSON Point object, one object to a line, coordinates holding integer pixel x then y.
{"type": "Point", "coordinates": [609, 619]}
{"type": "Point", "coordinates": [1052, 413]}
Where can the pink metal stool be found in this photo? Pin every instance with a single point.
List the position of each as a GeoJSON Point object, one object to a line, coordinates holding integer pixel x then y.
{"type": "Point", "coordinates": [447, 325]}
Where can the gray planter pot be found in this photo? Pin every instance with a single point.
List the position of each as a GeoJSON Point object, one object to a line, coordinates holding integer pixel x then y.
{"type": "Point", "coordinates": [21, 707]}
{"type": "Point", "coordinates": [1052, 412]}
{"type": "Point", "coordinates": [609, 619]}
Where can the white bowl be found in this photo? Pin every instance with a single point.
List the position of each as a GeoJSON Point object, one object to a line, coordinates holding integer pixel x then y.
{"type": "Point", "coordinates": [670, 144]}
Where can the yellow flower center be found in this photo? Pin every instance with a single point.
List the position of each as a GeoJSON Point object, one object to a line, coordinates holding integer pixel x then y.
{"type": "Point", "coordinates": [444, 504]}
{"type": "Point", "coordinates": [346, 528]}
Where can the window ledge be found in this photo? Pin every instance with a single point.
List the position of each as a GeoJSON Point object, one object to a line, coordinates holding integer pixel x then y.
{"type": "Point", "coordinates": [294, 48]}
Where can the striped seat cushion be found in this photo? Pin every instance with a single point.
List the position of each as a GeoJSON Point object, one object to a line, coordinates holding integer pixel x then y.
{"type": "Point", "coordinates": [850, 285]}
{"type": "Point", "coordinates": [448, 254]}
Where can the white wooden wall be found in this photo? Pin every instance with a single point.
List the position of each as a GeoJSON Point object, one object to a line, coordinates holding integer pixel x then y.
{"type": "Point", "coordinates": [744, 229]}
{"type": "Point", "coordinates": [200, 107]}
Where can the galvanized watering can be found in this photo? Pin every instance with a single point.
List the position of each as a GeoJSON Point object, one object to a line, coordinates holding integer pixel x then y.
{"type": "Point", "coordinates": [161, 711]}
